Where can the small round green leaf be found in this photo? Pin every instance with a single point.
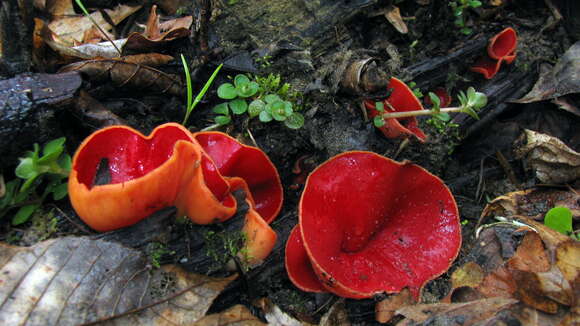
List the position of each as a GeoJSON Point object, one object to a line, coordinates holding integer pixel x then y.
{"type": "Point", "coordinates": [436, 101]}
{"type": "Point", "coordinates": [279, 111]}
{"type": "Point", "coordinates": [247, 90]}
{"type": "Point", "coordinates": [559, 219]}
{"type": "Point", "coordinates": [238, 106]}
{"type": "Point", "coordinates": [221, 108]}
{"type": "Point", "coordinates": [265, 116]}
{"type": "Point", "coordinates": [294, 121]}
{"type": "Point", "coordinates": [271, 98]}
{"type": "Point", "coordinates": [240, 80]}
{"type": "Point", "coordinates": [255, 108]}
{"type": "Point", "coordinates": [379, 106]}
{"type": "Point", "coordinates": [288, 108]}
{"type": "Point", "coordinates": [65, 162]}
{"type": "Point", "coordinates": [223, 120]}
{"type": "Point", "coordinates": [54, 146]}
{"type": "Point", "coordinates": [227, 91]}
{"type": "Point", "coordinates": [378, 121]}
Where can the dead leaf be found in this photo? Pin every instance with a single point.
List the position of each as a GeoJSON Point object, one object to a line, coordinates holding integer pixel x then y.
{"type": "Point", "coordinates": [530, 255]}
{"type": "Point", "coordinates": [498, 283]}
{"type": "Point", "coordinates": [385, 310]}
{"type": "Point", "coordinates": [59, 7]}
{"type": "Point", "coordinates": [393, 15]}
{"type": "Point", "coordinates": [563, 79]}
{"type": "Point", "coordinates": [158, 34]}
{"type": "Point", "coordinates": [568, 261]}
{"type": "Point", "coordinates": [99, 50]}
{"type": "Point", "coordinates": [125, 74]}
{"type": "Point", "coordinates": [275, 316]}
{"type": "Point", "coordinates": [466, 314]}
{"type": "Point", "coordinates": [336, 315]}
{"type": "Point", "coordinates": [534, 203]}
{"type": "Point", "coordinates": [553, 161]}
{"type": "Point", "coordinates": [531, 292]}
{"type": "Point", "coordinates": [71, 29]}
{"type": "Point", "coordinates": [76, 280]}
{"type": "Point", "coordinates": [237, 315]}
{"type": "Point", "coordinates": [470, 274]}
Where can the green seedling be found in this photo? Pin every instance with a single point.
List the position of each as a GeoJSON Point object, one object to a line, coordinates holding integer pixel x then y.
{"type": "Point", "coordinates": [470, 103]}
{"type": "Point", "coordinates": [86, 12]}
{"type": "Point", "coordinates": [268, 101]}
{"type": "Point", "coordinates": [50, 170]}
{"type": "Point", "coordinates": [459, 8]}
{"type": "Point", "coordinates": [560, 219]}
{"type": "Point", "coordinates": [191, 103]}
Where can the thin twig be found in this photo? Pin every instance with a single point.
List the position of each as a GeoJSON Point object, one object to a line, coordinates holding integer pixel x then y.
{"type": "Point", "coordinates": [406, 114]}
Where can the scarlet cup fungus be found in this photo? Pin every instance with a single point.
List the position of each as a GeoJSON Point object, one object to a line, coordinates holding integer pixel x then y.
{"type": "Point", "coordinates": [370, 225]}
{"type": "Point", "coordinates": [501, 48]}
{"type": "Point", "coordinates": [120, 177]}
{"type": "Point", "coordinates": [401, 99]}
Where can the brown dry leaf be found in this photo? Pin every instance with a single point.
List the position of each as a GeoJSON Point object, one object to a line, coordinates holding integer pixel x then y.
{"type": "Point", "coordinates": [568, 261]}
{"type": "Point", "coordinates": [553, 161]}
{"type": "Point", "coordinates": [76, 280]}
{"type": "Point", "coordinates": [71, 30]}
{"type": "Point", "coordinates": [275, 316]}
{"type": "Point", "coordinates": [336, 315]}
{"type": "Point", "coordinates": [499, 283]}
{"type": "Point", "coordinates": [385, 310]}
{"type": "Point", "coordinates": [125, 74]}
{"type": "Point", "coordinates": [562, 79]}
{"type": "Point", "coordinates": [393, 15]}
{"type": "Point", "coordinates": [466, 314]}
{"type": "Point", "coordinates": [530, 255]}
{"type": "Point", "coordinates": [531, 292]}
{"type": "Point", "coordinates": [237, 315]}
{"type": "Point", "coordinates": [470, 274]}
{"type": "Point", "coordinates": [534, 203]}
{"type": "Point", "coordinates": [158, 34]}
{"type": "Point", "coordinates": [59, 7]}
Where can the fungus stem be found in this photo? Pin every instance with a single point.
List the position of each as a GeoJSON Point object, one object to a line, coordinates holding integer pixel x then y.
{"type": "Point", "coordinates": [420, 112]}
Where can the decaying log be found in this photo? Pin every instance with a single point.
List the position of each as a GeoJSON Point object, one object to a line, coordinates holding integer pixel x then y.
{"type": "Point", "coordinates": [304, 23]}
{"type": "Point", "coordinates": [16, 25]}
{"type": "Point", "coordinates": [28, 104]}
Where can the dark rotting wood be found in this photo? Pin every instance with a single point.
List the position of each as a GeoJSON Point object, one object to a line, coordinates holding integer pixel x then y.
{"type": "Point", "coordinates": [27, 110]}
{"type": "Point", "coordinates": [16, 26]}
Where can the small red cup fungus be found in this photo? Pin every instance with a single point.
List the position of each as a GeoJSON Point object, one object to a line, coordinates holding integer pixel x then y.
{"type": "Point", "coordinates": [370, 225]}
{"type": "Point", "coordinates": [401, 99]}
{"type": "Point", "coordinates": [501, 48]}
{"type": "Point", "coordinates": [143, 174]}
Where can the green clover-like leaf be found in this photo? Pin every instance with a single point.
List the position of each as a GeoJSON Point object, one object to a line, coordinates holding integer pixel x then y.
{"type": "Point", "coordinates": [247, 90]}
{"type": "Point", "coordinates": [294, 121]}
{"type": "Point", "coordinates": [238, 106]}
{"type": "Point", "coordinates": [241, 80]}
{"type": "Point", "coordinates": [265, 116]}
{"type": "Point", "coordinates": [255, 107]}
{"type": "Point", "coordinates": [65, 163]}
{"type": "Point", "coordinates": [222, 109]}
{"type": "Point", "coordinates": [445, 117]}
{"type": "Point", "coordinates": [271, 98]}
{"type": "Point", "coordinates": [223, 120]}
{"type": "Point", "coordinates": [227, 91]}
{"type": "Point", "coordinates": [278, 111]}
{"type": "Point", "coordinates": [52, 149]}
{"type": "Point", "coordinates": [379, 106]}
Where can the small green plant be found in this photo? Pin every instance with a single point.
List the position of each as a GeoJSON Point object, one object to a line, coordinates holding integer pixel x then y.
{"type": "Point", "coordinates": [470, 103]}
{"type": "Point", "coordinates": [264, 61]}
{"type": "Point", "coordinates": [268, 101]}
{"type": "Point", "coordinates": [560, 219]}
{"type": "Point", "coordinates": [191, 104]}
{"type": "Point", "coordinates": [459, 8]}
{"type": "Point", "coordinates": [416, 90]}
{"type": "Point", "coordinates": [49, 170]}
{"type": "Point", "coordinates": [156, 251]}
{"type": "Point", "coordinates": [221, 246]}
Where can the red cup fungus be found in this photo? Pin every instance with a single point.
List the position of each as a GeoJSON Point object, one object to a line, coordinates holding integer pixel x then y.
{"type": "Point", "coordinates": [171, 168]}
{"type": "Point", "coordinates": [369, 225]}
{"type": "Point", "coordinates": [401, 99]}
{"type": "Point", "coordinates": [501, 48]}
